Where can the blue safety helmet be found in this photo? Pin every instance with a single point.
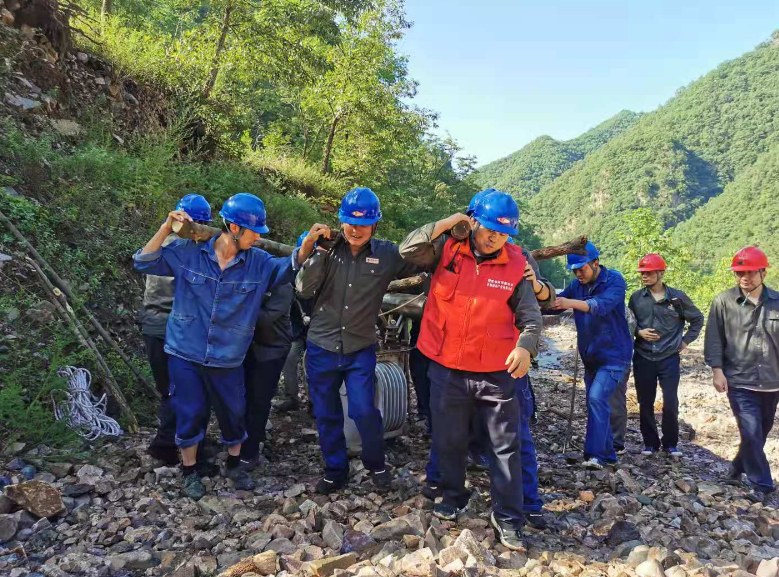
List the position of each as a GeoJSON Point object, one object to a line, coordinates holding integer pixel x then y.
{"type": "Point", "coordinates": [498, 211]}
{"type": "Point", "coordinates": [510, 240]}
{"type": "Point", "coordinates": [195, 206]}
{"type": "Point", "coordinates": [301, 238]}
{"type": "Point", "coordinates": [579, 260]}
{"type": "Point", "coordinates": [476, 199]}
{"type": "Point", "coordinates": [245, 210]}
{"type": "Point", "coordinates": [360, 206]}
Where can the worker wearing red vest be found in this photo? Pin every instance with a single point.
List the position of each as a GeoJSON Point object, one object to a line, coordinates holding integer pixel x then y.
{"type": "Point", "coordinates": [480, 329]}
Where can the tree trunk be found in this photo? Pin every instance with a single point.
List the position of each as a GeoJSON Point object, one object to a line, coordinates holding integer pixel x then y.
{"type": "Point", "coordinates": [329, 146]}
{"type": "Point", "coordinates": [219, 49]}
{"type": "Point", "coordinates": [106, 9]}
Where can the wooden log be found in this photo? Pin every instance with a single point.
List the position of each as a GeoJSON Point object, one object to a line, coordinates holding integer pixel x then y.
{"type": "Point", "coordinates": [62, 285]}
{"type": "Point", "coordinates": [575, 246]}
{"type": "Point", "coordinates": [195, 231]}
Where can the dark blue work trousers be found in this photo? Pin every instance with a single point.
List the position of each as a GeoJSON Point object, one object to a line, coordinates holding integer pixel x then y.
{"type": "Point", "coordinates": [326, 372]}
{"type": "Point", "coordinates": [647, 374]}
{"type": "Point", "coordinates": [455, 397]}
{"type": "Point", "coordinates": [531, 500]}
{"type": "Point", "coordinates": [754, 412]}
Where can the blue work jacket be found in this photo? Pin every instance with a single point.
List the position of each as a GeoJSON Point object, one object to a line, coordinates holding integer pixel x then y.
{"type": "Point", "coordinates": [214, 311]}
{"type": "Point", "coordinates": [603, 336]}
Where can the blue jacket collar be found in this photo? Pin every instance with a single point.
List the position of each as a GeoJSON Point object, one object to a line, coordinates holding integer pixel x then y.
{"type": "Point", "coordinates": [208, 247]}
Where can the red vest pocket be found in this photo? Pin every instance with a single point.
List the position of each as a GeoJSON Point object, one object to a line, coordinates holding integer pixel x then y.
{"type": "Point", "coordinates": [444, 284]}
{"type": "Point", "coordinates": [500, 341]}
{"type": "Point", "coordinates": [431, 338]}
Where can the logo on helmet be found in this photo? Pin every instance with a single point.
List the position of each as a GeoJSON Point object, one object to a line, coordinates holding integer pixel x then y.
{"type": "Point", "coordinates": [503, 220]}
{"type": "Point", "coordinates": [358, 213]}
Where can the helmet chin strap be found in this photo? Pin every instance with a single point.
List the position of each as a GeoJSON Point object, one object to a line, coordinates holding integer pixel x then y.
{"type": "Point", "coordinates": [235, 237]}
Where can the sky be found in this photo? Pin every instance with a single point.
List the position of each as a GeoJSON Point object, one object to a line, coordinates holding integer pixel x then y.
{"type": "Point", "coordinates": [503, 72]}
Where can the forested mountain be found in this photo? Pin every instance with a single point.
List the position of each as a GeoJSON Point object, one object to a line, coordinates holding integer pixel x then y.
{"type": "Point", "coordinates": [718, 134]}
{"type": "Point", "coordinates": [746, 212]}
{"type": "Point", "coordinates": [525, 171]}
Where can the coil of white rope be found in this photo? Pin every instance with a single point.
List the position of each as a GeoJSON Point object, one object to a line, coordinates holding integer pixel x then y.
{"type": "Point", "coordinates": [82, 411]}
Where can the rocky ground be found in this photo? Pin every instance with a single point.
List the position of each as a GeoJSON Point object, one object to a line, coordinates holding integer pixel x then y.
{"type": "Point", "coordinates": [121, 513]}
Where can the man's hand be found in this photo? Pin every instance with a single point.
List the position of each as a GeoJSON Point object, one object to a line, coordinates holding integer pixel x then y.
{"type": "Point", "coordinates": [682, 346]}
{"type": "Point", "coordinates": [530, 275]}
{"type": "Point", "coordinates": [175, 215]}
{"type": "Point", "coordinates": [307, 247]}
{"type": "Point", "coordinates": [457, 217]}
{"type": "Point", "coordinates": [446, 224]}
{"type": "Point", "coordinates": [563, 303]}
{"type": "Point", "coordinates": [518, 362]}
{"type": "Point", "coordinates": [720, 380]}
{"type": "Point", "coordinates": [649, 335]}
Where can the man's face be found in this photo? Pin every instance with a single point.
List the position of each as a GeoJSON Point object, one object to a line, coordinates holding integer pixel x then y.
{"type": "Point", "coordinates": [248, 238]}
{"type": "Point", "coordinates": [357, 234]}
{"type": "Point", "coordinates": [651, 278]}
{"type": "Point", "coordinates": [585, 274]}
{"type": "Point", "coordinates": [488, 241]}
{"type": "Point", "coordinates": [749, 280]}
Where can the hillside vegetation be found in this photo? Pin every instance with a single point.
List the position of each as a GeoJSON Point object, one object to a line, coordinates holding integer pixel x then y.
{"type": "Point", "coordinates": [525, 171]}
{"type": "Point", "coordinates": [697, 162]}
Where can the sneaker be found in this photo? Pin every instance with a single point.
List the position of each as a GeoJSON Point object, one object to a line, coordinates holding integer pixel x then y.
{"type": "Point", "coordinates": [168, 455]}
{"type": "Point", "coordinates": [432, 491]}
{"type": "Point", "coordinates": [673, 451]}
{"type": "Point", "coordinates": [771, 500]}
{"type": "Point", "coordinates": [593, 463]}
{"type": "Point", "coordinates": [647, 451]}
{"type": "Point", "coordinates": [239, 476]}
{"type": "Point", "coordinates": [509, 538]}
{"type": "Point", "coordinates": [382, 479]}
{"type": "Point", "coordinates": [326, 486]}
{"type": "Point", "coordinates": [537, 520]}
{"type": "Point", "coordinates": [250, 463]}
{"type": "Point", "coordinates": [448, 512]}
{"type": "Point", "coordinates": [478, 461]}
{"type": "Point", "coordinates": [756, 496]}
{"type": "Point", "coordinates": [207, 469]}
{"type": "Point", "coordinates": [192, 487]}
{"type": "Point", "coordinates": [733, 476]}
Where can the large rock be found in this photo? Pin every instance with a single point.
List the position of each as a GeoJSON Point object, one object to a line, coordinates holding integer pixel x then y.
{"type": "Point", "coordinates": [621, 532]}
{"type": "Point", "coordinates": [326, 567]}
{"type": "Point", "coordinates": [420, 563]}
{"type": "Point", "coordinates": [262, 564]}
{"type": "Point", "coordinates": [265, 563]}
{"type": "Point", "coordinates": [39, 498]}
{"type": "Point", "coordinates": [333, 534]}
{"type": "Point", "coordinates": [9, 525]}
{"type": "Point", "coordinates": [139, 560]}
{"type": "Point", "coordinates": [650, 568]}
{"type": "Point", "coordinates": [282, 546]}
{"type": "Point", "coordinates": [768, 568]}
{"type": "Point", "coordinates": [467, 541]}
{"type": "Point", "coordinates": [391, 530]}
{"type": "Point", "coordinates": [356, 541]}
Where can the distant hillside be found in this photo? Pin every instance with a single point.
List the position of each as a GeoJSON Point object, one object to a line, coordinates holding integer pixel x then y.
{"type": "Point", "coordinates": [674, 159]}
{"type": "Point", "coordinates": [747, 212]}
{"type": "Point", "coordinates": [524, 172]}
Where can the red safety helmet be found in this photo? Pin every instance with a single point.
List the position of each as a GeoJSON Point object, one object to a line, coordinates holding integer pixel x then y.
{"type": "Point", "coordinates": [749, 258]}
{"type": "Point", "coordinates": [652, 262]}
